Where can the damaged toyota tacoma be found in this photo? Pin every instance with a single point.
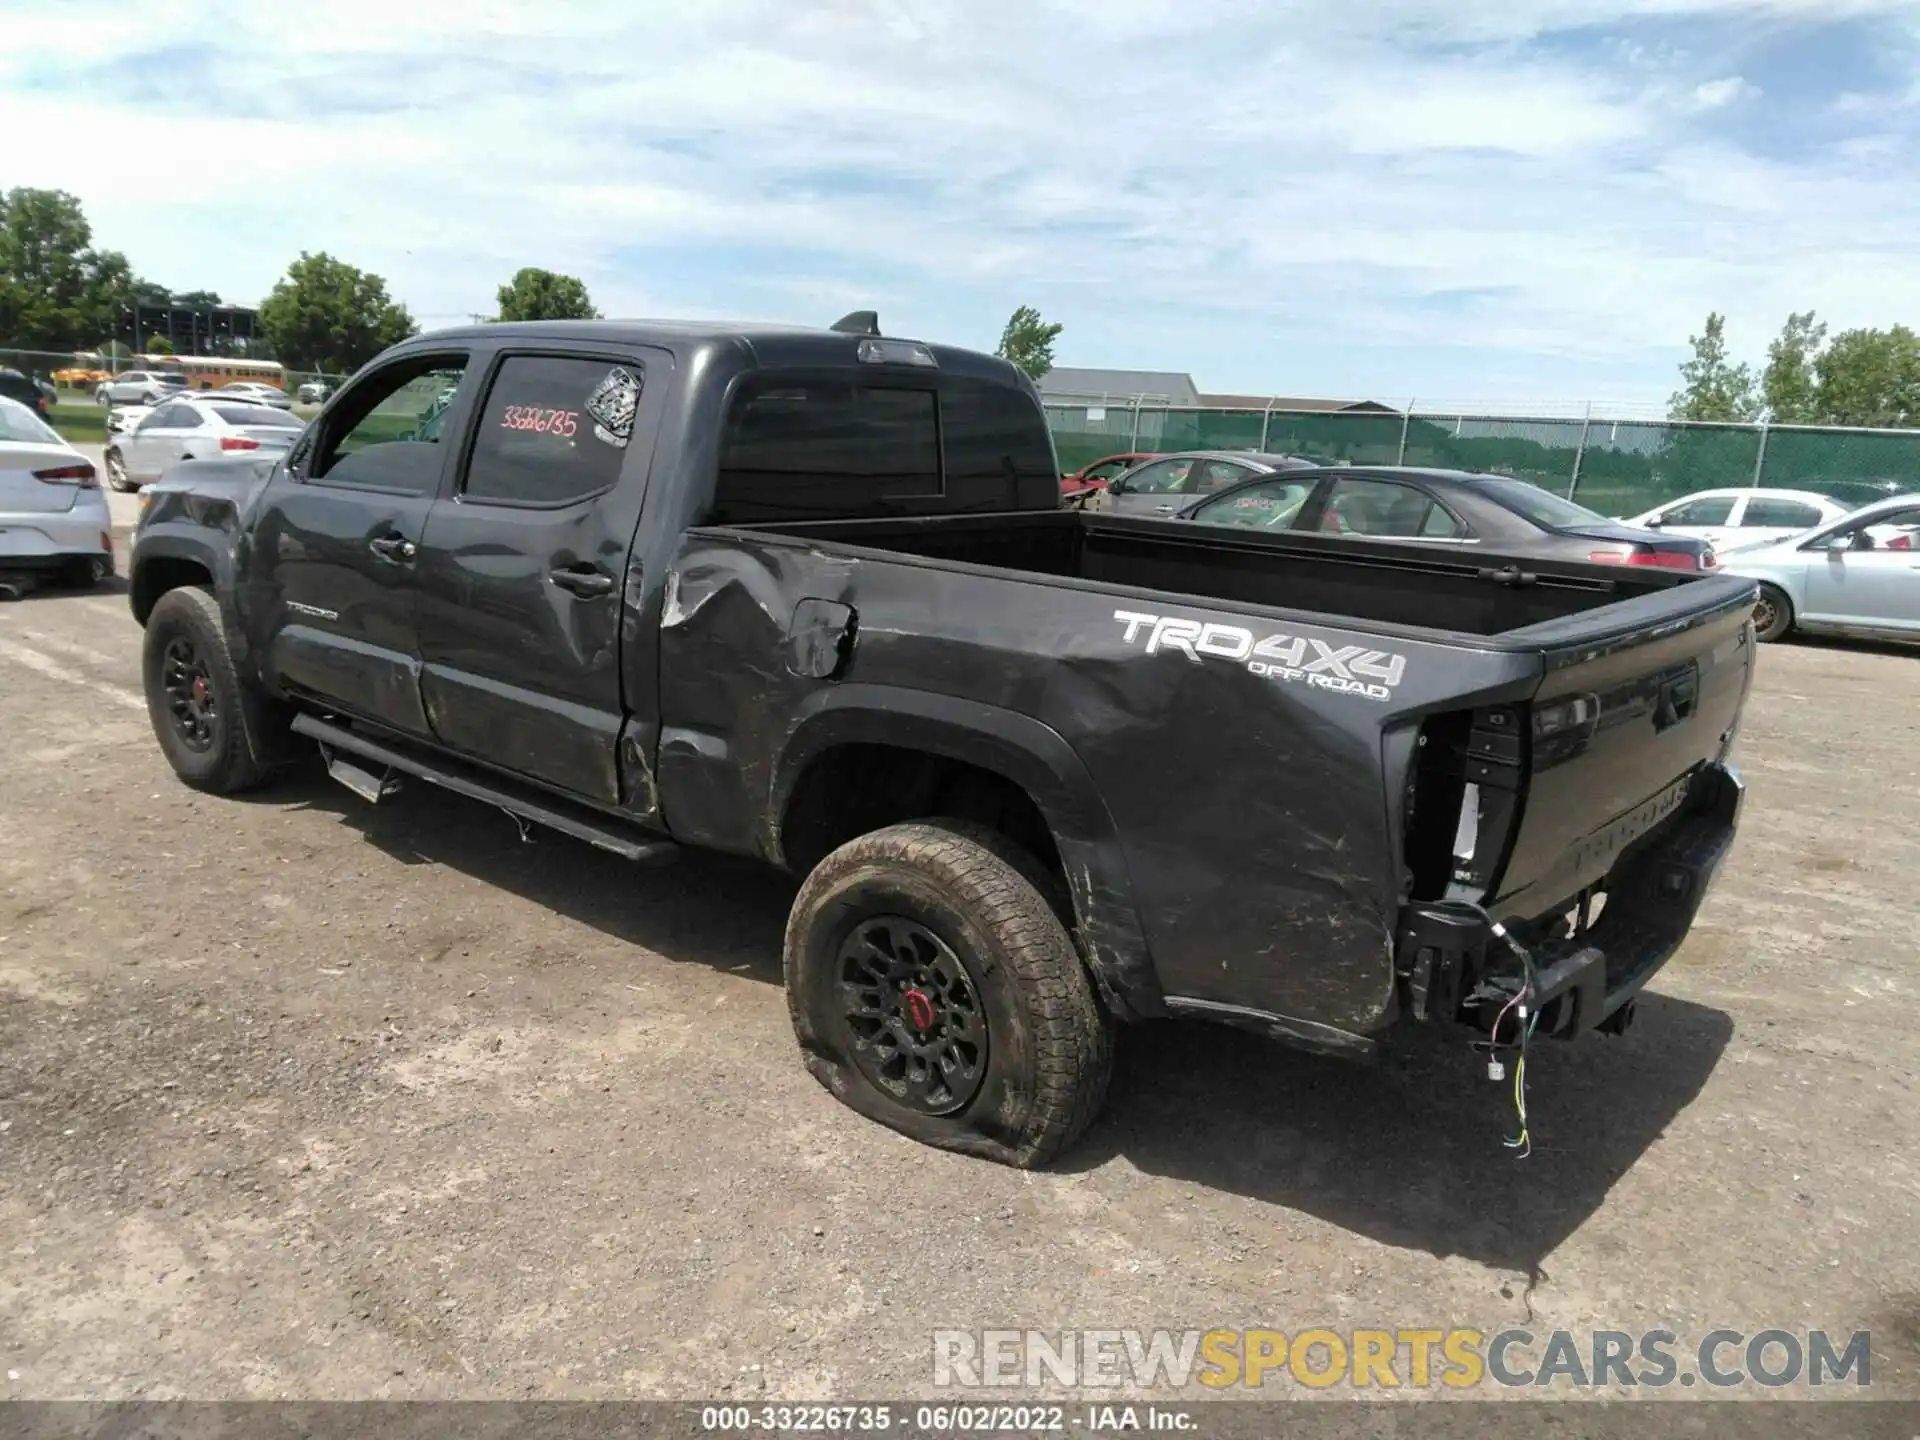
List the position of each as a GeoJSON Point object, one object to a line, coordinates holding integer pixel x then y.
{"type": "Point", "coordinates": [808, 595]}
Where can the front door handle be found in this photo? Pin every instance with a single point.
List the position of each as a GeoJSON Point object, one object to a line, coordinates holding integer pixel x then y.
{"type": "Point", "coordinates": [587, 584]}
{"type": "Point", "coordinates": [394, 549]}
{"type": "Point", "coordinates": [1163, 509]}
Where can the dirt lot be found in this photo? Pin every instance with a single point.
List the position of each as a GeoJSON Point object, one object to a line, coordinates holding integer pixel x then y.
{"type": "Point", "coordinates": [301, 1098]}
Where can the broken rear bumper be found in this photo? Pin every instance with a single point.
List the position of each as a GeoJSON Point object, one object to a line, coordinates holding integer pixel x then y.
{"type": "Point", "coordinates": [1450, 965]}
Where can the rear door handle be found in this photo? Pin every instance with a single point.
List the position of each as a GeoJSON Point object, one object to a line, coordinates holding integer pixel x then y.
{"type": "Point", "coordinates": [395, 549]}
{"type": "Point", "coordinates": [587, 584]}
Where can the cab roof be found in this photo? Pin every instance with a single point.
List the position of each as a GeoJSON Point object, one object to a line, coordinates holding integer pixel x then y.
{"type": "Point", "coordinates": [765, 344]}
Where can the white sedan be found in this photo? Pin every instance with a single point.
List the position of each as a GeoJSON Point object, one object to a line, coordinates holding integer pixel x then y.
{"type": "Point", "coordinates": [1737, 518]}
{"type": "Point", "coordinates": [203, 428]}
{"type": "Point", "coordinates": [53, 516]}
{"type": "Point", "coordinates": [256, 392]}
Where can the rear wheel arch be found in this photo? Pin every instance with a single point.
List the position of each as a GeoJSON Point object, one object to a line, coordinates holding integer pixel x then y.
{"type": "Point", "coordinates": [866, 757]}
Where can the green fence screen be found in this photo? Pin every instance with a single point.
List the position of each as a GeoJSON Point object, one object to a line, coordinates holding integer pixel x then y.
{"type": "Point", "coordinates": [1617, 467]}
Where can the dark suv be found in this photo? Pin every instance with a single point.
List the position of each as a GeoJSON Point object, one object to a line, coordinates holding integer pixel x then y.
{"type": "Point", "coordinates": [36, 395]}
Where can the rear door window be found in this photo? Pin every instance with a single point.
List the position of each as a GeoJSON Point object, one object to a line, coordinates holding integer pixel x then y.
{"type": "Point", "coordinates": [1210, 477]}
{"type": "Point", "coordinates": [1780, 514]}
{"type": "Point", "coordinates": [1161, 477]}
{"type": "Point", "coordinates": [1387, 509]}
{"type": "Point", "coordinates": [554, 430]}
{"type": "Point", "coordinates": [1716, 510]}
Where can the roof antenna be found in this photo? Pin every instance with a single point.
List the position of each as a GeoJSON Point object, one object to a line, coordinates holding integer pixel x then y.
{"type": "Point", "coordinates": [860, 322]}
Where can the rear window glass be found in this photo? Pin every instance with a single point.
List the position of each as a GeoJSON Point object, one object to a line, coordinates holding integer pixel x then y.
{"type": "Point", "coordinates": [816, 448]}
{"type": "Point", "coordinates": [257, 415]}
{"type": "Point", "coordinates": [1543, 507]}
{"type": "Point", "coordinates": [19, 423]}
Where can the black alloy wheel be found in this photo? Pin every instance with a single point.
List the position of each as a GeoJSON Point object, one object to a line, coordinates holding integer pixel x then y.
{"type": "Point", "coordinates": [189, 689]}
{"type": "Point", "coordinates": [915, 1025]}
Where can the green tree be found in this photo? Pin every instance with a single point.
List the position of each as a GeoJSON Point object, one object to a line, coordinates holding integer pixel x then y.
{"type": "Point", "coordinates": [1869, 377]}
{"type": "Point", "coordinates": [159, 345]}
{"type": "Point", "coordinates": [328, 315]}
{"type": "Point", "coordinates": [197, 299]}
{"type": "Point", "coordinates": [1028, 341]}
{"type": "Point", "coordinates": [536, 294]}
{"type": "Point", "coordinates": [1789, 382]}
{"type": "Point", "coordinates": [1711, 386]}
{"type": "Point", "coordinates": [56, 291]}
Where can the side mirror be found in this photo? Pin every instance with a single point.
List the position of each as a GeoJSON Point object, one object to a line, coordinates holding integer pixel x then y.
{"type": "Point", "coordinates": [1653, 524]}
{"type": "Point", "coordinates": [1860, 540]}
{"type": "Point", "coordinates": [1117, 485]}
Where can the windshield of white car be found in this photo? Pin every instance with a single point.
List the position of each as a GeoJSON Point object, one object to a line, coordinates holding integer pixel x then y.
{"type": "Point", "coordinates": [19, 423]}
{"type": "Point", "coordinates": [257, 415]}
{"type": "Point", "coordinates": [1543, 507]}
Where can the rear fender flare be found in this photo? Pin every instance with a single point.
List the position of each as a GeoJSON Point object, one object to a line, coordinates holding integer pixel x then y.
{"type": "Point", "coordinates": [1031, 755]}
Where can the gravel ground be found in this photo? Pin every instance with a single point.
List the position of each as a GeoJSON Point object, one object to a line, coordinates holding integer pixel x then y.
{"type": "Point", "coordinates": [300, 1098]}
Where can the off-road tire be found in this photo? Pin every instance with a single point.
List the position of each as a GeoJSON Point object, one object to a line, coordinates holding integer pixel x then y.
{"type": "Point", "coordinates": [1777, 610]}
{"type": "Point", "coordinates": [245, 723]}
{"type": "Point", "coordinates": [1049, 1046]}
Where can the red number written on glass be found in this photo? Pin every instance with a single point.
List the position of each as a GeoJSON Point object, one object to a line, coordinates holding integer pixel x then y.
{"type": "Point", "coordinates": [544, 422]}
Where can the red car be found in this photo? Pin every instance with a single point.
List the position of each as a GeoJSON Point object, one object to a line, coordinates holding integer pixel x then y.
{"type": "Point", "coordinates": [1096, 475]}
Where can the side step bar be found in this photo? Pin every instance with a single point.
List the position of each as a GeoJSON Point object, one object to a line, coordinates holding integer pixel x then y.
{"type": "Point", "coordinates": [517, 801]}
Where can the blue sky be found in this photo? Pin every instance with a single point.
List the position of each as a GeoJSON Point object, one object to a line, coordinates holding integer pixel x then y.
{"type": "Point", "coordinates": [1518, 203]}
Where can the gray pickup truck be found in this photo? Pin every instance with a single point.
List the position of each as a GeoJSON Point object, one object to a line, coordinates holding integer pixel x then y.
{"type": "Point", "coordinates": [808, 595]}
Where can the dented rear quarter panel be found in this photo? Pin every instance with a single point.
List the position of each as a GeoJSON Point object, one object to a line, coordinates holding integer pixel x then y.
{"type": "Point", "coordinates": [1228, 835]}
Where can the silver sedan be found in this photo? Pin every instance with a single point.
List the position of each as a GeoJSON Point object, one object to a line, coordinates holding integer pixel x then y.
{"type": "Point", "coordinates": [1859, 576]}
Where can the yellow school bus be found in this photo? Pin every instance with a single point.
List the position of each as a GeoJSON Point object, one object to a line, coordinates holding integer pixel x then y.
{"type": "Point", "coordinates": [210, 372]}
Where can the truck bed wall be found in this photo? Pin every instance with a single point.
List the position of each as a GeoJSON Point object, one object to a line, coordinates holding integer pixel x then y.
{"type": "Point", "coordinates": [1204, 807]}
{"type": "Point", "coordinates": [1432, 587]}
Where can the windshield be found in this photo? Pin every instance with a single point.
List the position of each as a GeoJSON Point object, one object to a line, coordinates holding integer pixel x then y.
{"type": "Point", "coordinates": [1543, 507]}
{"type": "Point", "coordinates": [257, 415]}
{"type": "Point", "coordinates": [19, 423]}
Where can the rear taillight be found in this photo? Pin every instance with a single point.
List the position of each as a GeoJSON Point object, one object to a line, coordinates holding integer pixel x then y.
{"type": "Point", "coordinates": [1659, 559]}
{"type": "Point", "coordinates": [238, 442]}
{"type": "Point", "coordinates": [81, 475]}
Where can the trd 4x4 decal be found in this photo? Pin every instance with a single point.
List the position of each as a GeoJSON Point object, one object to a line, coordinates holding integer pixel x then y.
{"type": "Point", "coordinates": [1306, 659]}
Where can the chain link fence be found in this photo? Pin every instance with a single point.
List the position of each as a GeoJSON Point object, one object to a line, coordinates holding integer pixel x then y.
{"type": "Point", "coordinates": [1617, 467]}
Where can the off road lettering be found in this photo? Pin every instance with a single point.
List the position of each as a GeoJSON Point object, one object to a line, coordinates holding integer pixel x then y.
{"type": "Point", "coordinates": [1346, 669]}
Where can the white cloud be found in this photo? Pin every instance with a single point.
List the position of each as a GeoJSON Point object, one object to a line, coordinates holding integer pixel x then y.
{"type": "Point", "coordinates": [1717, 94]}
{"type": "Point", "coordinates": [1172, 178]}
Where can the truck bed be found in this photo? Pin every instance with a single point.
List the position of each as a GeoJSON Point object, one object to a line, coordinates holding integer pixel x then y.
{"type": "Point", "coordinates": [1452, 589]}
{"type": "Point", "coordinates": [1297, 751]}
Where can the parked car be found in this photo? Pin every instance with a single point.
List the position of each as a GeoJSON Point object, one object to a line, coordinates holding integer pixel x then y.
{"type": "Point", "coordinates": [1859, 576]}
{"type": "Point", "coordinates": [140, 387]}
{"type": "Point", "coordinates": [36, 395]}
{"type": "Point", "coordinates": [197, 428]}
{"type": "Point", "coordinates": [256, 392]}
{"type": "Point", "coordinates": [313, 392]}
{"type": "Point", "coordinates": [1096, 475]}
{"type": "Point", "coordinates": [1044, 771]}
{"type": "Point", "coordinates": [1740, 517]}
{"type": "Point", "coordinates": [1166, 485]}
{"type": "Point", "coordinates": [1445, 507]}
{"type": "Point", "coordinates": [53, 516]}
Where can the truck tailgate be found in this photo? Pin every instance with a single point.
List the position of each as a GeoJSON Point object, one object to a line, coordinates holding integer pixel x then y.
{"type": "Point", "coordinates": [1622, 719]}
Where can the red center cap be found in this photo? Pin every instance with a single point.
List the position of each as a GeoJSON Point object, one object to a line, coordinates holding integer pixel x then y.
{"type": "Point", "coordinates": [919, 1009]}
{"type": "Point", "coordinates": [199, 689]}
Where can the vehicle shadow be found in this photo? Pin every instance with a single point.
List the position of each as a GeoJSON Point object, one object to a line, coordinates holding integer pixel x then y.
{"type": "Point", "coordinates": [24, 586]}
{"type": "Point", "coordinates": [720, 911]}
{"type": "Point", "coordinates": [1408, 1151]}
